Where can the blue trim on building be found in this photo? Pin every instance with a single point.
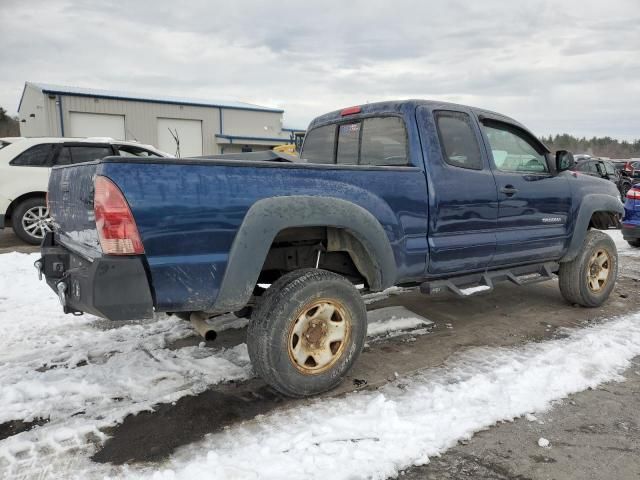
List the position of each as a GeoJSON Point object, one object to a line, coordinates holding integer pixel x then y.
{"type": "Point", "coordinates": [165, 102]}
{"type": "Point", "coordinates": [59, 104]}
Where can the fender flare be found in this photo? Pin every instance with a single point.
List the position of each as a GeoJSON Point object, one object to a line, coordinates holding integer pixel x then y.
{"type": "Point", "coordinates": [590, 204]}
{"type": "Point", "coordinates": [267, 217]}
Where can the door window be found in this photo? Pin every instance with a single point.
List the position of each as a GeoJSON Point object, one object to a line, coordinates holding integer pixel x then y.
{"type": "Point", "coordinates": [458, 140]}
{"type": "Point", "coordinates": [513, 151]}
{"type": "Point", "coordinates": [89, 153]}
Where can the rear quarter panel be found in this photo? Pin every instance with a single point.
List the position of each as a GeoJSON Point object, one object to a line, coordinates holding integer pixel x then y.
{"type": "Point", "coordinates": [188, 215]}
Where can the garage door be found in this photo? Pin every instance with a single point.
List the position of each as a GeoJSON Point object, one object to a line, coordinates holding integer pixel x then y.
{"type": "Point", "coordinates": [188, 133]}
{"type": "Point", "coordinates": [97, 125]}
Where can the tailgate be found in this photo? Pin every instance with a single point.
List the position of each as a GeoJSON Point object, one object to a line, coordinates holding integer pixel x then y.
{"type": "Point", "coordinates": [71, 208]}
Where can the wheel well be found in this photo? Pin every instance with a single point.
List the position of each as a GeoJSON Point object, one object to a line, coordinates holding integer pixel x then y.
{"type": "Point", "coordinates": [339, 252]}
{"type": "Point", "coordinates": [604, 220]}
{"type": "Point", "coordinates": [21, 199]}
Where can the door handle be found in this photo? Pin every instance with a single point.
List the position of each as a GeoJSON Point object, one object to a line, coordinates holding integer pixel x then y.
{"type": "Point", "coordinates": [509, 190]}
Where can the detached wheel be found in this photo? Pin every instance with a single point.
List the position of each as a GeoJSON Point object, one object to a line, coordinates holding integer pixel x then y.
{"type": "Point", "coordinates": [307, 332]}
{"type": "Point", "coordinates": [31, 221]}
{"type": "Point", "coordinates": [589, 278]}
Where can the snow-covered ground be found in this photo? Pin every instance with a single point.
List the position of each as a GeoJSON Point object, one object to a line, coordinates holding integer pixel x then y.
{"type": "Point", "coordinates": [84, 374]}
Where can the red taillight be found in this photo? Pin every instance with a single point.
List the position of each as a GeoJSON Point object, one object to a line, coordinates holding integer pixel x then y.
{"type": "Point", "coordinates": [116, 227]}
{"type": "Point", "coordinates": [350, 111]}
{"type": "Point", "coordinates": [633, 194]}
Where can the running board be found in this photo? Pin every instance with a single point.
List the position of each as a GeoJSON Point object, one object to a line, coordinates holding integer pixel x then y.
{"type": "Point", "coordinates": [468, 285]}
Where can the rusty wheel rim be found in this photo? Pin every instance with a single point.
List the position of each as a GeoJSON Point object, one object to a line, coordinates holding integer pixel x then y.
{"type": "Point", "coordinates": [318, 336]}
{"type": "Point", "coordinates": [598, 270]}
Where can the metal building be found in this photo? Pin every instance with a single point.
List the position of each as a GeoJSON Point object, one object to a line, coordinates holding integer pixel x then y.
{"type": "Point", "coordinates": [181, 126]}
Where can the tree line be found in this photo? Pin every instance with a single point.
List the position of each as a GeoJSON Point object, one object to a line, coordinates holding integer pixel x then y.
{"type": "Point", "coordinates": [9, 126]}
{"type": "Point", "coordinates": [596, 146]}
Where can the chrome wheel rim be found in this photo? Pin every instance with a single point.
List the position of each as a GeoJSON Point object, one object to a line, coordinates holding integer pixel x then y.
{"type": "Point", "coordinates": [598, 270]}
{"type": "Point", "coordinates": [318, 336]}
{"type": "Point", "coordinates": [36, 221]}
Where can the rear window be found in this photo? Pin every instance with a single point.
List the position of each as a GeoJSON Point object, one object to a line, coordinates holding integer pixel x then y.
{"type": "Point", "coordinates": [36, 156]}
{"type": "Point", "coordinates": [318, 145]}
{"type": "Point", "coordinates": [380, 141]}
{"type": "Point", "coordinates": [384, 142]}
{"type": "Point", "coordinates": [348, 140]}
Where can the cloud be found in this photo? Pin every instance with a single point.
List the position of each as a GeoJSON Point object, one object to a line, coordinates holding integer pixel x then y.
{"type": "Point", "coordinates": [569, 67]}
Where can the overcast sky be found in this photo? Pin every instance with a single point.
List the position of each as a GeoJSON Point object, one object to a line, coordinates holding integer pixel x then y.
{"type": "Point", "coordinates": [557, 66]}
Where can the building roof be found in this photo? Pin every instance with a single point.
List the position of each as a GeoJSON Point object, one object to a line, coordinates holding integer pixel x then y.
{"type": "Point", "coordinates": [142, 97]}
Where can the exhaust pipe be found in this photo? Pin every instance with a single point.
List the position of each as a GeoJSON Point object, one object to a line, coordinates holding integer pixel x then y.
{"type": "Point", "coordinates": [199, 322]}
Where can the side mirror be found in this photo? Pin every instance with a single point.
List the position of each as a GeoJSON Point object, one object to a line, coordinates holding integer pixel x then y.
{"type": "Point", "coordinates": [564, 160]}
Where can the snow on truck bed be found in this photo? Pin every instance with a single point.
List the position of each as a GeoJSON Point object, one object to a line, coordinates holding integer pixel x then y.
{"type": "Point", "coordinates": [84, 374]}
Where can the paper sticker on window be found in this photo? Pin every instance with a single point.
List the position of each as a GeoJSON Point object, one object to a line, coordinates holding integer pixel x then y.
{"type": "Point", "coordinates": [350, 129]}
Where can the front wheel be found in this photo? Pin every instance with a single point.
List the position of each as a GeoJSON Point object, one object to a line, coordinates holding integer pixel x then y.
{"type": "Point", "coordinates": [634, 243]}
{"type": "Point", "coordinates": [307, 332]}
{"type": "Point", "coordinates": [590, 277]}
{"type": "Point", "coordinates": [30, 220]}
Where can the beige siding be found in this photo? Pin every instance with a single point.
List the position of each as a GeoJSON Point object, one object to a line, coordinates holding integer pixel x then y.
{"type": "Point", "coordinates": [34, 103]}
{"type": "Point", "coordinates": [249, 123]}
{"type": "Point", "coordinates": [141, 118]}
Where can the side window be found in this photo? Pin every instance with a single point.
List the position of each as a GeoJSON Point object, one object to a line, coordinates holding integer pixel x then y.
{"type": "Point", "coordinates": [130, 151]}
{"type": "Point", "coordinates": [609, 168]}
{"type": "Point", "coordinates": [348, 140]}
{"type": "Point", "coordinates": [582, 166]}
{"type": "Point", "coordinates": [384, 142]}
{"type": "Point", "coordinates": [36, 156]}
{"type": "Point", "coordinates": [459, 143]}
{"type": "Point", "coordinates": [80, 154]}
{"type": "Point", "coordinates": [593, 168]}
{"type": "Point", "coordinates": [318, 145]}
{"type": "Point", "coordinates": [513, 151]}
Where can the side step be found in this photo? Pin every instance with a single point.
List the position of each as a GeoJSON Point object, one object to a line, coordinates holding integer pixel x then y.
{"type": "Point", "coordinates": [468, 285]}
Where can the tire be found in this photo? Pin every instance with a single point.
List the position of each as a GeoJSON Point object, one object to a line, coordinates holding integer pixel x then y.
{"type": "Point", "coordinates": [634, 243]}
{"type": "Point", "coordinates": [30, 220]}
{"type": "Point", "coordinates": [589, 278]}
{"type": "Point", "coordinates": [307, 332]}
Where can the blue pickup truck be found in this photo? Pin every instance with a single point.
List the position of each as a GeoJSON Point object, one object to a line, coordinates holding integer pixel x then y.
{"type": "Point", "coordinates": [441, 196]}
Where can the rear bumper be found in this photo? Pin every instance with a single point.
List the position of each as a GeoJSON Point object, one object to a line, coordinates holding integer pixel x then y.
{"type": "Point", "coordinates": [630, 231]}
{"type": "Point", "coordinates": [111, 287]}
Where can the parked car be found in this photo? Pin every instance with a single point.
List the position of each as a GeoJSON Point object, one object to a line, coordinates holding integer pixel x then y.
{"type": "Point", "coordinates": [25, 164]}
{"type": "Point", "coordinates": [631, 220]}
{"type": "Point", "coordinates": [383, 194]}
{"type": "Point", "coordinates": [606, 169]}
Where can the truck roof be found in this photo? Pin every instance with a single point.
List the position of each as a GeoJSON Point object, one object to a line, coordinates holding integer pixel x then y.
{"type": "Point", "coordinates": [407, 106]}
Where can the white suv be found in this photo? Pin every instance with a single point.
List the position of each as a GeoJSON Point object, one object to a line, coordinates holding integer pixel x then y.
{"type": "Point", "coordinates": [25, 164]}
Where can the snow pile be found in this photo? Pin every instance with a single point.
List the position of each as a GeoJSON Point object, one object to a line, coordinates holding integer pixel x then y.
{"type": "Point", "coordinates": [622, 245]}
{"type": "Point", "coordinates": [394, 321]}
{"type": "Point", "coordinates": [377, 434]}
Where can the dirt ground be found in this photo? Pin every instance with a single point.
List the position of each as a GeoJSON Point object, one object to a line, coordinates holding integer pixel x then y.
{"type": "Point", "coordinates": [593, 434]}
